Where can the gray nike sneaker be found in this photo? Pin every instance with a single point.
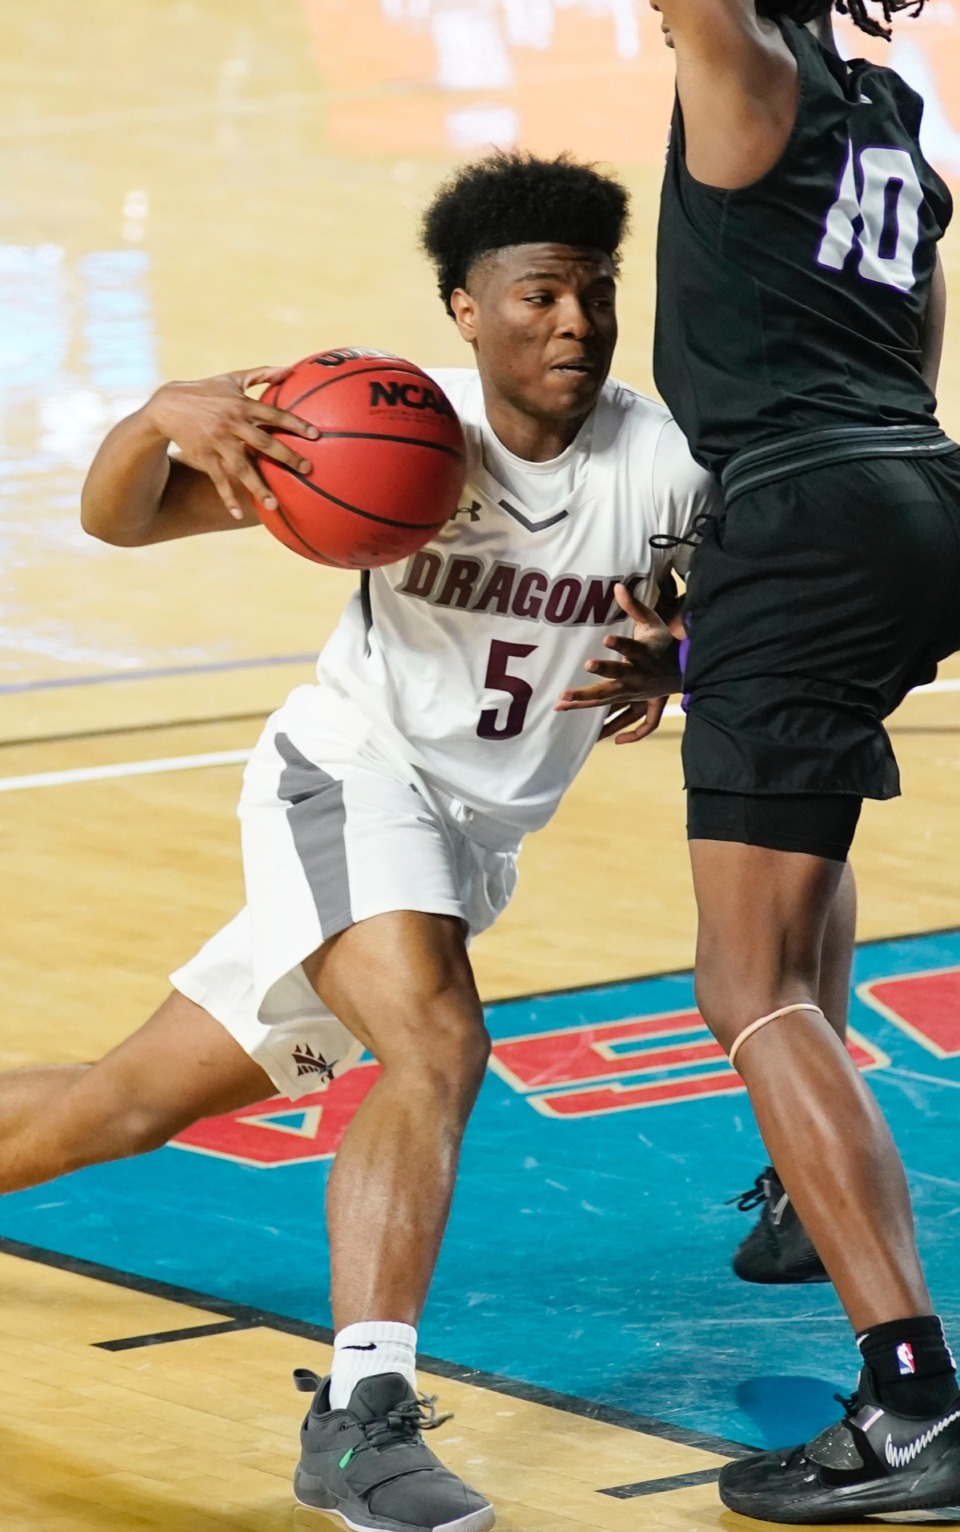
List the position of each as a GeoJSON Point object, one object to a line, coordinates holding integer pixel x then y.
{"type": "Point", "coordinates": [368, 1465]}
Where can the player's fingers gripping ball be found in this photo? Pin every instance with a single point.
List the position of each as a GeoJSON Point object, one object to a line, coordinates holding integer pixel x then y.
{"type": "Point", "coordinates": [387, 470]}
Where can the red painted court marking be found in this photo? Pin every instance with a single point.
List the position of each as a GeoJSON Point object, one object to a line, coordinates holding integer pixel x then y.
{"type": "Point", "coordinates": [924, 1005]}
{"type": "Point", "coordinates": [588, 1055]}
{"type": "Point", "coordinates": [629, 1096]}
{"type": "Point", "coordinates": [274, 1133]}
{"type": "Point", "coordinates": [575, 1054]}
{"type": "Point", "coordinates": [619, 1097]}
{"type": "Point", "coordinates": [257, 1134]}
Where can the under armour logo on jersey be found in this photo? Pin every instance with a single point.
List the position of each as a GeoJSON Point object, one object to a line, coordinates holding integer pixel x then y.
{"type": "Point", "coordinates": [472, 510]}
{"type": "Point", "coordinates": [310, 1063]}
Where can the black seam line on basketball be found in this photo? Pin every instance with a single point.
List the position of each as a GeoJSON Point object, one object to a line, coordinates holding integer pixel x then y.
{"type": "Point", "coordinates": [385, 521]}
{"type": "Point", "coordinates": [137, 728]}
{"type": "Point", "coordinates": [166, 1337]}
{"type": "Point", "coordinates": [410, 368]}
{"type": "Point", "coordinates": [663, 1486]}
{"type": "Point", "coordinates": [324, 558]}
{"type": "Point", "coordinates": [405, 441]}
{"type": "Point", "coordinates": [300, 537]}
{"type": "Point", "coordinates": [511, 1388]}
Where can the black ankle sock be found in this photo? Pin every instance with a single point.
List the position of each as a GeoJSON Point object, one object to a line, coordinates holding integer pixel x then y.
{"type": "Point", "coordinates": [911, 1366]}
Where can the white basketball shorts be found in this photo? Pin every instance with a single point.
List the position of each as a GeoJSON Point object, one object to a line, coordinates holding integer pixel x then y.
{"type": "Point", "coordinates": [334, 831]}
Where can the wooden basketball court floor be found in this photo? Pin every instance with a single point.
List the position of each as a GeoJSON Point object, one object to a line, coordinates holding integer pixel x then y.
{"type": "Point", "coordinates": [192, 185]}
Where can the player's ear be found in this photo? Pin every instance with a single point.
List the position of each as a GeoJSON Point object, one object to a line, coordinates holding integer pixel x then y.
{"type": "Point", "coordinates": [465, 313]}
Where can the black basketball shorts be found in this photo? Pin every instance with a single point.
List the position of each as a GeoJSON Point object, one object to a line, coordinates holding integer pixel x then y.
{"type": "Point", "coordinates": [814, 605]}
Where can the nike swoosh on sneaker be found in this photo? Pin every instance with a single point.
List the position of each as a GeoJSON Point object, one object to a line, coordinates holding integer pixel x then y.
{"type": "Point", "coordinates": [903, 1456]}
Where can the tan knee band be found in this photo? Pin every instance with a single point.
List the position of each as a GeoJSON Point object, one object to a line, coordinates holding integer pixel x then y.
{"type": "Point", "coordinates": [755, 1026]}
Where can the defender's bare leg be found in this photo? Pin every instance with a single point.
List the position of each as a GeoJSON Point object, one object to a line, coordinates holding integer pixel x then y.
{"type": "Point", "coordinates": [836, 953]}
{"type": "Point", "coordinates": [823, 1128]}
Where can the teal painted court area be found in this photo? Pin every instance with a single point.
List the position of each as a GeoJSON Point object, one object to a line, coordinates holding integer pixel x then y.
{"type": "Point", "coordinates": [590, 1243]}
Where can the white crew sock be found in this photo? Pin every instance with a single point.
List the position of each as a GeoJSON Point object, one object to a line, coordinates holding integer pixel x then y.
{"type": "Point", "coordinates": [368, 1350]}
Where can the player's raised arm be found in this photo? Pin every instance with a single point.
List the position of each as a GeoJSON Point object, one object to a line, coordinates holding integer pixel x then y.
{"type": "Point", "coordinates": [136, 493]}
{"type": "Point", "coordinates": [738, 88]}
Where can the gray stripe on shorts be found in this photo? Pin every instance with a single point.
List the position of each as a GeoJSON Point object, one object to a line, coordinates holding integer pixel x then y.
{"type": "Point", "coordinates": [317, 819]}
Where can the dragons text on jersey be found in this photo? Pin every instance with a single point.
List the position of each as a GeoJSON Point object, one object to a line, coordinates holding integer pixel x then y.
{"type": "Point", "coordinates": [459, 653]}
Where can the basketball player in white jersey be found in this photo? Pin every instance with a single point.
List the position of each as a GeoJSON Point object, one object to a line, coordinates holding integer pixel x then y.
{"type": "Point", "coordinates": [384, 807]}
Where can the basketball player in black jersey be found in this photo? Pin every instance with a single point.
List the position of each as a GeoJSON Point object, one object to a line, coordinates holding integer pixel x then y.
{"type": "Point", "coordinates": [800, 320]}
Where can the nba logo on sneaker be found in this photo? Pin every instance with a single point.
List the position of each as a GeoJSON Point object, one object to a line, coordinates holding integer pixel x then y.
{"type": "Point", "coordinates": [905, 1359]}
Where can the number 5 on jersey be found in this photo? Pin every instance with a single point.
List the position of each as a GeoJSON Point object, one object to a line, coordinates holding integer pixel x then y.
{"type": "Point", "coordinates": [499, 679]}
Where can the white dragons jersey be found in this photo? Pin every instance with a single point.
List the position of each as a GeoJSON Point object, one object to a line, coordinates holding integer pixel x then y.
{"type": "Point", "coordinates": [460, 653]}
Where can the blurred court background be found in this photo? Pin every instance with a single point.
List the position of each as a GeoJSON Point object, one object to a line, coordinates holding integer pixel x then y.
{"type": "Point", "coordinates": [193, 185]}
{"type": "Point", "coordinates": [188, 186]}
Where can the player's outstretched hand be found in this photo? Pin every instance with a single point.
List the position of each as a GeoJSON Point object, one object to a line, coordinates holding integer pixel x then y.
{"type": "Point", "coordinates": [646, 672]}
{"type": "Point", "coordinates": [216, 426]}
{"type": "Point", "coordinates": [644, 716]}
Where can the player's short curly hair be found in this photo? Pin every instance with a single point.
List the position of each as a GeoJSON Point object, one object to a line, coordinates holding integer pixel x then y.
{"type": "Point", "coordinates": [512, 198]}
{"type": "Point", "coordinates": [803, 11]}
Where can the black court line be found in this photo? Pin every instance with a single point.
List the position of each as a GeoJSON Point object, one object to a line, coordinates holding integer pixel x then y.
{"type": "Point", "coordinates": [166, 1337]}
{"type": "Point", "coordinates": [137, 728]}
{"type": "Point", "coordinates": [679, 973]}
{"type": "Point", "coordinates": [587, 1409]}
{"type": "Point", "coordinates": [261, 713]}
{"type": "Point", "coordinates": [663, 1486]}
{"type": "Point", "coordinates": [160, 673]}
{"type": "Point", "coordinates": [252, 1318]}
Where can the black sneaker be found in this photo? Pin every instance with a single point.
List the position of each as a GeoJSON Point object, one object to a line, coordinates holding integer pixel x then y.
{"type": "Point", "coordinates": [778, 1247]}
{"type": "Point", "coordinates": [869, 1463]}
{"type": "Point", "coordinates": [368, 1464]}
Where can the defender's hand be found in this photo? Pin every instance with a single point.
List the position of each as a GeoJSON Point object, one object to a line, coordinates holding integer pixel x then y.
{"type": "Point", "coordinates": [645, 715]}
{"type": "Point", "coordinates": [217, 426]}
{"type": "Point", "coordinates": [649, 667]}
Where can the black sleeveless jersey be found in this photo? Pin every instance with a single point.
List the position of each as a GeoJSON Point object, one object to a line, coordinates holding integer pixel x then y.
{"type": "Point", "coordinates": [798, 303]}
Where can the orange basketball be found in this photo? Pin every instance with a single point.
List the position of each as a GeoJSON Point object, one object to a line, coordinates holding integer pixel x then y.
{"type": "Point", "coordinates": [388, 469]}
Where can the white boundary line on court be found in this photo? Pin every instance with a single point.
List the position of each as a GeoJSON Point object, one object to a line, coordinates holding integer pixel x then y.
{"type": "Point", "coordinates": [239, 757]}
{"type": "Point", "coordinates": [123, 769]}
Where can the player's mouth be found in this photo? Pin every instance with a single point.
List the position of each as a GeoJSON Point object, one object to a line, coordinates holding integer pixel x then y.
{"type": "Point", "coordinates": [577, 368]}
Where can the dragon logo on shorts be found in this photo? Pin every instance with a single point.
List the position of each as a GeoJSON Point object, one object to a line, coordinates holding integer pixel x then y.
{"type": "Point", "coordinates": [310, 1063]}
